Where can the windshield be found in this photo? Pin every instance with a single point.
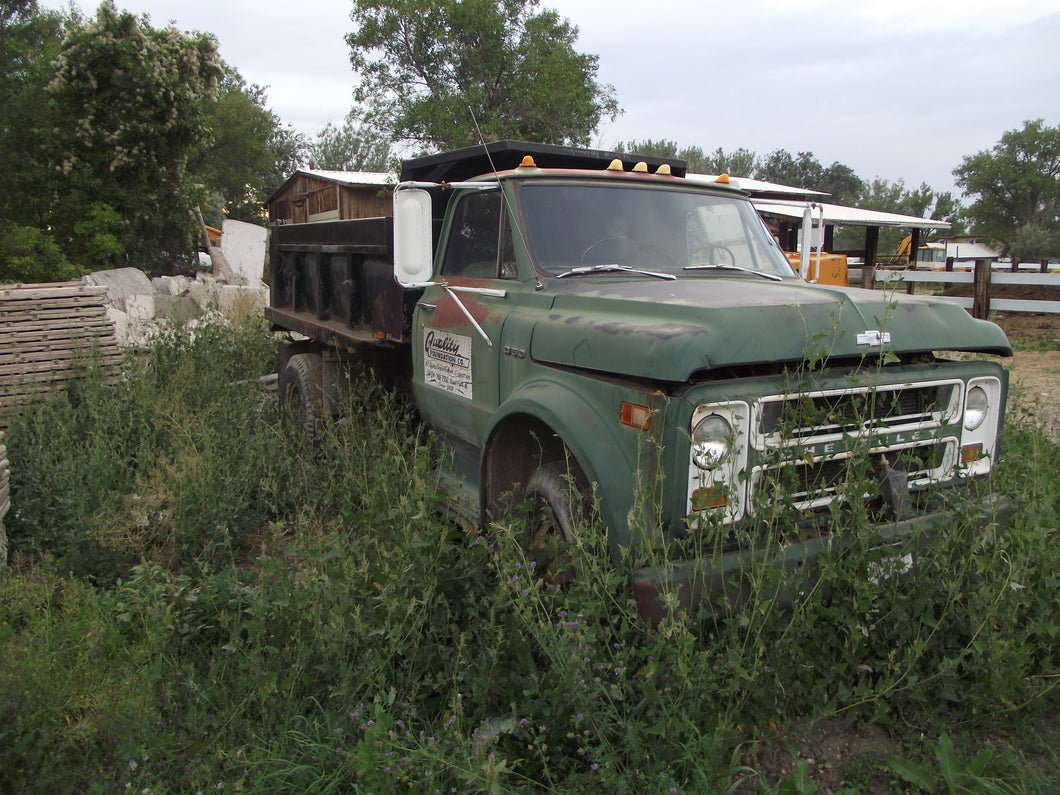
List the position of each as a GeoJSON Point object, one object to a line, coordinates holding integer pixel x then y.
{"type": "Point", "coordinates": [577, 229]}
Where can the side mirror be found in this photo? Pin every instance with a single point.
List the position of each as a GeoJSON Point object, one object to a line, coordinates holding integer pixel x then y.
{"type": "Point", "coordinates": [413, 240]}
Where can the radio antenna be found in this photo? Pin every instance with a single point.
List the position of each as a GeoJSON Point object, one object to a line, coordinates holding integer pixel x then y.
{"type": "Point", "coordinates": [482, 141]}
{"type": "Point", "coordinates": [512, 218]}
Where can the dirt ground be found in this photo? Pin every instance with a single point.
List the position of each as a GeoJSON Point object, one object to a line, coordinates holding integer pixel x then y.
{"type": "Point", "coordinates": [1034, 394]}
{"type": "Point", "coordinates": [840, 758]}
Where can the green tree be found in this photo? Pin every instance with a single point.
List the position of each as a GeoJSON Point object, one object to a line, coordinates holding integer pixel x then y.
{"type": "Point", "coordinates": [804, 170]}
{"type": "Point", "coordinates": [127, 113]}
{"type": "Point", "coordinates": [354, 146]}
{"type": "Point", "coordinates": [29, 251]}
{"type": "Point", "coordinates": [425, 66]}
{"type": "Point", "coordinates": [1016, 191]}
{"type": "Point", "coordinates": [800, 171]}
{"type": "Point", "coordinates": [649, 147]}
{"type": "Point", "coordinates": [30, 254]}
{"type": "Point", "coordinates": [248, 152]}
{"type": "Point", "coordinates": [739, 163]}
{"type": "Point", "coordinates": [28, 39]}
{"type": "Point", "coordinates": [895, 197]}
{"type": "Point", "coordinates": [841, 183]}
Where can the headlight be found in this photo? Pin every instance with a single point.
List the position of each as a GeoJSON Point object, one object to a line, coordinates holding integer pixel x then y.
{"type": "Point", "coordinates": [976, 406]}
{"type": "Point", "coordinates": [711, 441]}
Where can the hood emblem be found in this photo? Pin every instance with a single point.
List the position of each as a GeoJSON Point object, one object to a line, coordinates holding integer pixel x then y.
{"type": "Point", "coordinates": [874, 337]}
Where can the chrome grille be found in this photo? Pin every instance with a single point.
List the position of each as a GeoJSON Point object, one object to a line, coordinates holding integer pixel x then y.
{"type": "Point", "coordinates": [848, 411]}
{"type": "Point", "coordinates": [810, 480]}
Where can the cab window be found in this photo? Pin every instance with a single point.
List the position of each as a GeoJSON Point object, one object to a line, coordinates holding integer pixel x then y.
{"type": "Point", "coordinates": [480, 241]}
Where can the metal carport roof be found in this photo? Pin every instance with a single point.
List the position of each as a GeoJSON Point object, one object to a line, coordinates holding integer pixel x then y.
{"type": "Point", "coordinates": [837, 215]}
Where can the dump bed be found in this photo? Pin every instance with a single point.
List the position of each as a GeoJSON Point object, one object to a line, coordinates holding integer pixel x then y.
{"type": "Point", "coordinates": [333, 281]}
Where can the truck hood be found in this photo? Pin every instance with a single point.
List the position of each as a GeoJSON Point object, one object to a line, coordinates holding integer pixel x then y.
{"type": "Point", "coordinates": [668, 330]}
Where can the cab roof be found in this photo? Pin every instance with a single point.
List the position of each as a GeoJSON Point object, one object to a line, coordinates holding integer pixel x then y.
{"type": "Point", "coordinates": [462, 164]}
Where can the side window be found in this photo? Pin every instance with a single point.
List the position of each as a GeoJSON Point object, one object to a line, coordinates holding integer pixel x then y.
{"type": "Point", "coordinates": [477, 235]}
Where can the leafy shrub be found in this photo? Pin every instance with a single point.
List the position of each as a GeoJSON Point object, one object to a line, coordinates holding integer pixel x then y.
{"type": "Point", "coordinates": [28, 254]}
{"type": "Point", "coordinates": [171, 461]}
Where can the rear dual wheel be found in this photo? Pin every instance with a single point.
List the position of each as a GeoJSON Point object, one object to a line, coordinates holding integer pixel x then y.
{"type": "Point", "coordinates": [302, 389]}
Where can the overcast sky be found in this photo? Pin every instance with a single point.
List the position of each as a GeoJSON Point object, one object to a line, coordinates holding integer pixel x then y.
{"type": "Point", "coordinates": [900, 89]}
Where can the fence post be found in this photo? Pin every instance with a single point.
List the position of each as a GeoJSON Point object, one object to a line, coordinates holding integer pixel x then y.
{"type": "Point", "coordinates": [949, 264]}
{"type": "Point", "coordinates": [981, 301]}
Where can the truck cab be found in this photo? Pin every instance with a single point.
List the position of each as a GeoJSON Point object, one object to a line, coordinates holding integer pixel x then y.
{"type": "Point", "coordinates": [592, 332]}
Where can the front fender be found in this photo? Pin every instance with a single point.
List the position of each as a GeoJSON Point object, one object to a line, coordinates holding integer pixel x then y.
{"type": "Point", "coordinates": [600, 444]}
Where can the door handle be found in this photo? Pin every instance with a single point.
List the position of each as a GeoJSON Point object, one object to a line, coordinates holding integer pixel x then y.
{"type": "Point", "coordinates": [426, 307]}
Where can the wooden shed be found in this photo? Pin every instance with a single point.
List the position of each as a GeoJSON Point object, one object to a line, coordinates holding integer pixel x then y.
{"type": "Point", "coordinates": [312, 195]}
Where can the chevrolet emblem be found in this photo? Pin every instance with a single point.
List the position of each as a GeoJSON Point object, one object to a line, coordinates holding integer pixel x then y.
{"type": "Point", "coordinates": [874, 337]}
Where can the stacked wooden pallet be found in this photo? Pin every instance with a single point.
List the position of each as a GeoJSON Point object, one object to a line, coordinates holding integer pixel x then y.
{"type": "Point", "coordinates": [5, 503]}
{"type": "Point", "coordinates": [48, 334]}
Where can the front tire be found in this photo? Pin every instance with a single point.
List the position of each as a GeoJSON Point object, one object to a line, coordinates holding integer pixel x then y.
{"type": "Point", "coordinates": [556, 497]}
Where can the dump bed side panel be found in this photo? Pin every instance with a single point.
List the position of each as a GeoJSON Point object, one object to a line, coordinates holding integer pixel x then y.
{"type": "Point", "coordinates": [334, 282]}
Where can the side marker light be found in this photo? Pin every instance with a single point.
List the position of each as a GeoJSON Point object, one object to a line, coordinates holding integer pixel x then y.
{"type": "Point", "coordinates": [635, 416]}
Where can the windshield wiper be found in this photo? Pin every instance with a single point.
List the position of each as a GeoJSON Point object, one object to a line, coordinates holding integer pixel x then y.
{"type": "Point", "coordinates": [581, 270]}
{"type": "Point", "coordinates": [763, 274]}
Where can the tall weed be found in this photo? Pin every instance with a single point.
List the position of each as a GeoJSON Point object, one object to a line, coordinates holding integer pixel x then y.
{"type": "Point", "coordinates": [172, 462]}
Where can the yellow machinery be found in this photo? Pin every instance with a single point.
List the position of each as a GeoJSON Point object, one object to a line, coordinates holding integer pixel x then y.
{"type": "Point", "coordinates": [833, 267]}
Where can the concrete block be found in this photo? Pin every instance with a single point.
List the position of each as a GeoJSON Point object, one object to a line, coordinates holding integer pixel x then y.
{"type": "Point", "coordinates": [177, 308]}
{"type": "Point", "coordinates": [140, 307]}
{"type": "Point", "coordinates": [243, 246]}
{"type": "Point", "coordinates": [200, 292]}
{"type": "Point", "coordinates": [170, 285]}
{"type": "Point", "coordinates": [121, 283]}
{"type": "Point", "coordinates": [235, 299]}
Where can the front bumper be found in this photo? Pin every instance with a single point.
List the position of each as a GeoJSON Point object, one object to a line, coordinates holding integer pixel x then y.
{"type": "Point", "coordinates": [723, 580]}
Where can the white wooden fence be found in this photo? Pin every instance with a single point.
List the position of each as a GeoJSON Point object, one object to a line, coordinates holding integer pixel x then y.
{"type": "Point", "coordinates": [982, 277]}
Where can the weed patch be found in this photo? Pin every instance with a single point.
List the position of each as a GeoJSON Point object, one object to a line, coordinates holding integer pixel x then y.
{"type": "Point", "coordinates": [196, 602]}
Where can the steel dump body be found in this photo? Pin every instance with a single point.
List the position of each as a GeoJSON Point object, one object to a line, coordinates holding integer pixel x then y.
{"type": "Point", "coordinates": [548, 337]}
{"type": "Point", "coordinates": [334, 281]}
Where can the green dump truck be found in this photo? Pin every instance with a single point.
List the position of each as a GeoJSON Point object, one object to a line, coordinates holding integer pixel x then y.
{"type": "Point", "coordinates": [585, 328]}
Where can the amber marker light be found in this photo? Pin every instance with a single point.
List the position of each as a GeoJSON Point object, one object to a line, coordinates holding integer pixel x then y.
{"type": "Point", "coordinates": [664, 169]}
{"type": "Point", "coordinates": [641, 168]}
{"type": "Point", "coordinates": [723, 179]}
{"type": "Point", "coordinates": [971, 452]}
{"type": "Point", "coordinates": [616, 165]}
{"type": "Point", "coordinates": [528, 162]}
{"type": "Point", "coordinates": [635, 416]}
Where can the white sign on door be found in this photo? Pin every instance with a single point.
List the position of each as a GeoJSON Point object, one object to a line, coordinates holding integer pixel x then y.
{"type": "Point", "coordinates": [447, 361]}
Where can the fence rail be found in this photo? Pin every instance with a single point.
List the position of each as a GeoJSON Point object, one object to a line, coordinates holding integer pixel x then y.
{"type": "Point", "coordinates": [981, 278]}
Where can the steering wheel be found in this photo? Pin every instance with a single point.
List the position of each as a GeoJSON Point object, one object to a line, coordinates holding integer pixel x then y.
{"type": "Point", "coordinates": [708, 254]}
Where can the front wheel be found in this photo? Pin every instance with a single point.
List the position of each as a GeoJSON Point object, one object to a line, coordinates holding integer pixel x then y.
{"type": "Point", "coordinates": [557, 498]}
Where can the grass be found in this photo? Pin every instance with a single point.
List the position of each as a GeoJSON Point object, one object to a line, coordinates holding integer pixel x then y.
{"type": "Point", "coordinates": [192, 605]}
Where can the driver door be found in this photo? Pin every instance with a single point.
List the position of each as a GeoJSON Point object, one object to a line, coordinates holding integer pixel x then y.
{"type": "Point", "coordinates": [460, 318]}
